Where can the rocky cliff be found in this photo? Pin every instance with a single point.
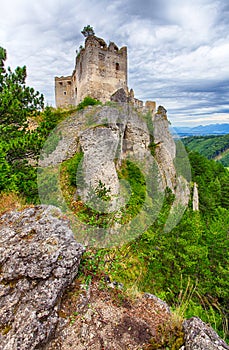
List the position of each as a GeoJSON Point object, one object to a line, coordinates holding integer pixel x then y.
{"type": "Point", "coordinates": [108, 136]}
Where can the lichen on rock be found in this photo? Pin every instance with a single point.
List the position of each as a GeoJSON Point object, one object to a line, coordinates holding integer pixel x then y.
{"type": "Point", "coordinates": [39, 258]}
{"type": "Point", "coordinates": [200, 336]}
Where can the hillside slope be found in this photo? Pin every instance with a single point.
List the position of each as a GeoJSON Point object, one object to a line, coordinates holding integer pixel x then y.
{"type": "Point", "coordinates": [212, 147]}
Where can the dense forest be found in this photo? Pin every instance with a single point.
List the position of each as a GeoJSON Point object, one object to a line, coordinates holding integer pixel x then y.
{"type": "Point", "coordinates": [212, 147]}
{"type": "Point", "coordinates": [188, 267]}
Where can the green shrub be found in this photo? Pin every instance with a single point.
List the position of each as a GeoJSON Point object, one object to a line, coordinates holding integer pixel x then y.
{"type": "Point", "coordinates": [88, 101]}
{"type": "Point", "coordinates": [132, 174]}
{"type": "Point", "coordinates": [73, 169]}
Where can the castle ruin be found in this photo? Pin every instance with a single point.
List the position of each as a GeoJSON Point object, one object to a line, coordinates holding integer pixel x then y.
{"type": "Point", "coordinates": [100, 72]}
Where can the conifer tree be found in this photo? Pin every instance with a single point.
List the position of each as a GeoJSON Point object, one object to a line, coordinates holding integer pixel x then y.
{"type": "Point", "coordinates": [17, 101]}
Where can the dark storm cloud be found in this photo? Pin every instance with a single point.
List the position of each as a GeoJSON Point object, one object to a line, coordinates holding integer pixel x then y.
{"type": "Point", "coordinates": [178, 51]}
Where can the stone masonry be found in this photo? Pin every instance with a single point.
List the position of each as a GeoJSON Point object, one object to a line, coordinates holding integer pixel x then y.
{"type": "Point", "coordinates": [101, 73]}
{"type": "Point", "coordinates": [100, 70]}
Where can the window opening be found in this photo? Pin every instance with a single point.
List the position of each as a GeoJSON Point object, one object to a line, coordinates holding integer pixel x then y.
{"type": "Point", "coordinates": [117, 67]}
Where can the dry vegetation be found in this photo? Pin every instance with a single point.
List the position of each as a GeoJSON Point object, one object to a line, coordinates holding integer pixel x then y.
{"type": "Point", "coordinates": [98, 317]}
{"type": "Point", "coordinates": [11, 201]}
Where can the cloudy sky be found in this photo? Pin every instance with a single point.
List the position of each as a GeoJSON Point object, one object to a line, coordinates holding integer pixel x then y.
{"type": "Point", "coordinates": [178, 50]}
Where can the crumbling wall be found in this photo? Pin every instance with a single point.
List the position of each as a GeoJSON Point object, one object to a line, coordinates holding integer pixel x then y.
{"type": "Point", "coordinates": [100, 70]}
{"type": "Point", "coordinates": [64, 92]}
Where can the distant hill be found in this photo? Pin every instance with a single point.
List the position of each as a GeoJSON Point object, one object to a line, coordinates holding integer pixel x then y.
{"type": "Point", "coordinates": [211, 129]}
{"type": "Point", "coordinates": [212, 147]}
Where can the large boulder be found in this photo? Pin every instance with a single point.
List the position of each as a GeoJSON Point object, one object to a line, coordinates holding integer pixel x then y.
{"type": "Point", "coordinates": [39, 258]}
{"type": "Point", "coordinates": [200, 336]}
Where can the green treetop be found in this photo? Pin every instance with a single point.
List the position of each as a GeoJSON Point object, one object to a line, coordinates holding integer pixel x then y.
{"type": "Point", "coordinates": [88, 31]}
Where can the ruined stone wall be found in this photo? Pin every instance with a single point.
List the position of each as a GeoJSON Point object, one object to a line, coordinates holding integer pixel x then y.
{"type": "Point", "coordinates": [64, 91]}
{"type": "Point", "coordinates": [139, 105]}
{"type": "Point", "coordinates": [100, 70]}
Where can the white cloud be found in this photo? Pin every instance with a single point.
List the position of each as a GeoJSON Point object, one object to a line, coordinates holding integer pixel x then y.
{"type": "Point", "coordinates": [178, 50]}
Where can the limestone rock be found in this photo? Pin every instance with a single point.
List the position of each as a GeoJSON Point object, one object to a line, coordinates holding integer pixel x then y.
{"type": "Point", "coordinates": [39, 258]}
{"type": "Point", "coordinates": [115, 134]}
{"type": "Point", "coordinates": [119, 96]}
{"type": "Point", "coordinates": [62, 142]}
{"type": "Point", "coordinates": [99, 146]}
{"type": "Point", "coordinates": [161, 110]}
{"type": "Point", "coordinates": [136, 138]}
{"type": "Point", "coordinates": [107, 136]}
{"type": "Point", "coordinates": [200, 336]}
{"type": "Point", "coordinates": [165, 151]}
{"type": "Point", "coordinates": [195, 200]}
{"type": "Point", "coordinates": [159, 302]}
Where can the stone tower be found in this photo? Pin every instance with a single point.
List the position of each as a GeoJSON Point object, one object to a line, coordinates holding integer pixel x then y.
{"type": "Point", "coordinates": [100, 70]}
